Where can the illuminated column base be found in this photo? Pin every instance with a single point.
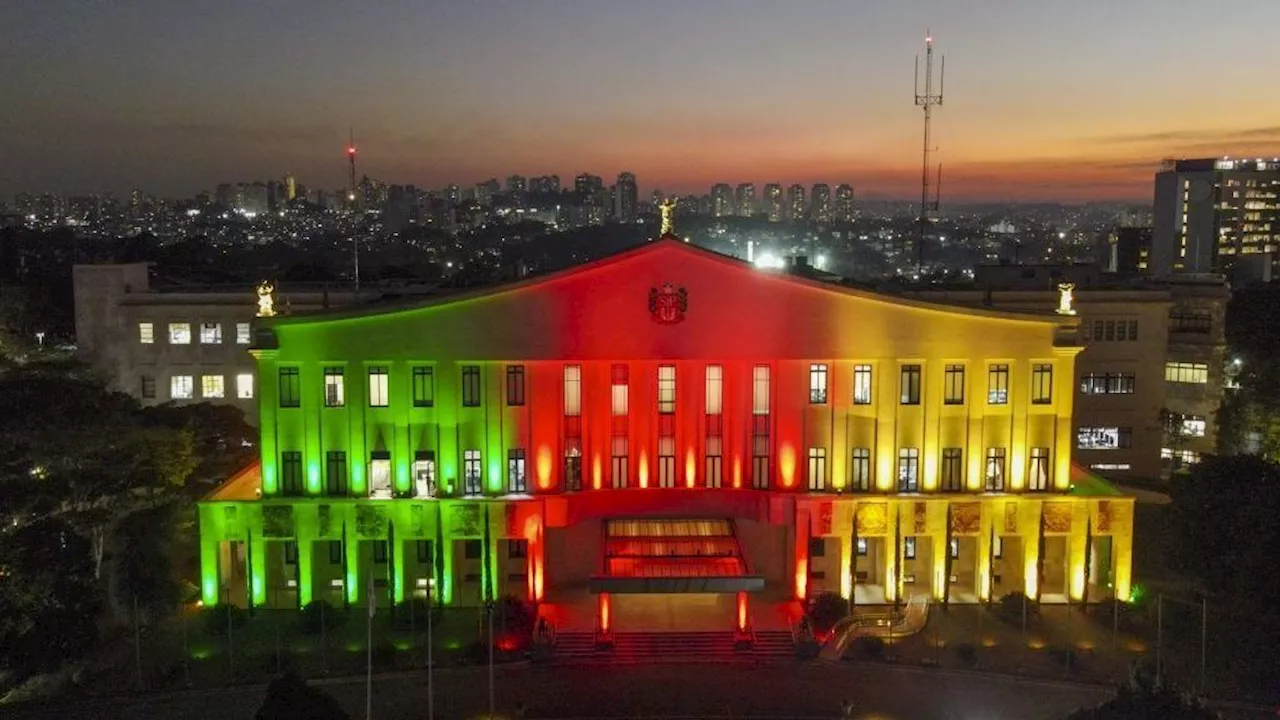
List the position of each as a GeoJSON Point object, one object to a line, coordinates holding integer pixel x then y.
{"type": "Point", "coordinates": [938, 552]}
{"type": "Point", "coordinates": [210, 581]}
{"type": "Point", "coordinates": [1076, 549]}
{"type": "Point", "coordinates": [1030, 526]}
{"type": "Point", "coordinates": [1122, 549]}
{"type": "Point", "coordinates": [892, 553]}
{"type": "Point", "coordinates": [603, 621]}
{"type": "Point", "coordinates": [743, 616]}
{"type": "Point", "coordinates": [306, 547]}
{"type": "Point", "coordinates": [983, 566]}
{"type": "Point", "coordinates": [802, 555]}
{"type": "Point", "coordinates": [257, 568]}
{"type": "Point", "coordinates": [351, 583]}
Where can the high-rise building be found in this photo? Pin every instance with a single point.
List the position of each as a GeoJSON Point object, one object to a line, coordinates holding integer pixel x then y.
{"type": "Point", "coordinates": [1216, 216]}
{"type": "Point", "coordinates": [486, 190]}
{"type": "Point", "coordinates": [773, 202]}
{"type": "Point", "coordinates": [721, 200]}
{"type": "Point", "coordinates": [1128, 250]}
{"type": "Point", "coordinates": [594, 198]}
{"type": "Point", "coordinates": [626, 196]}
{"type": "Point", "coordinates": [547, 184]}
{"type": "Point", "coordinates": [844, 210]}
{"type": "Point", "coordinates": [745, 200]}
{"type": "Point", "coordinates": [820, 203]}
{"type": "Point", "coordinates": [795, 202]}
{"type": "Point", "coordinates": [517, 184]}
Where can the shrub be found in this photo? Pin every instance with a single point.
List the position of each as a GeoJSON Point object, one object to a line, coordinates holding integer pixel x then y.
{"type": "Point", "coordinates": [222, 615]}
{"type": "Point", "coordinates": [1009, 608]}
{"type": "Point", "coordinates": [1067, 657]}
{"type": "Point", "coordinates": [825, 610]}
{"type": "Point", "coordinates": [309, 618]}
{"type": "Point", "coordinates": [1128, 617]}
{"type": "Point", "coordinates": [413, 613]}
{"type": "Point", "coordinates": [867, 647]}
{"type": "Point", "coordinates": [967, 652]}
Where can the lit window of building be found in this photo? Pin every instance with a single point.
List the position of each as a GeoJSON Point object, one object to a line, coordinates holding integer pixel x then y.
{"type": "Point", "coordinates": [379, 395]}
{"type": "Point", "coordinates": [213, 386]}
{"type": "Point", "coordinates": [210, 333]}
{"type": "Point", "coordinates": [818, 384]}
{"type": "Point", "coordinates": [1186, 372]}
{"type": "Point", "coordinates": [244, 386]}
{"type": "Point", "coordinates": [182, 387]}
{"type": "Point", "coordinates": [243, 336]}
{"type": "Point", "coordinates": [179, 333]}
{"type": "Point", "coordinates": [334, 391]}
{"type": "Point", "coordinates": [146, 333]}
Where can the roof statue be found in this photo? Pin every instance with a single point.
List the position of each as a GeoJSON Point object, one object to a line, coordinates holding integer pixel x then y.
{"type": "Point", "coordinates": [1066, 299]}
{"type": "Point", "coordinates": [668, 209]}
{"type": "Point", "coordinates": [266, 303]}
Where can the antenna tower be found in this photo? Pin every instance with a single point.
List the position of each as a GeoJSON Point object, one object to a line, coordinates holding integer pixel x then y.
{"type": "Point", "coordinates": [352, 205]}
{"type": "Point", "coordinates": [927, 100]}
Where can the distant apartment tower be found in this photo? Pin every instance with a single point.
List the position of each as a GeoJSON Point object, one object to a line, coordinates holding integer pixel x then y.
{"type": "Point", "coordinates": [593, 196]}
{"type": "Point", "coordinates": [721, 200]}
{"type": "Point", "coordinates": [517, 184]}
{"type": "Point", "coordinates": [486, 190]}
{"type": "Point", "coordinates": [745, 199]}
{"type": "Point", "coordinates": [1216, 215]}
{"type": "Point", "coordinates": [773, 202]}
{"type": "Point", "coordinates": [1128, 250]}
{"type": "Point", "coordinates": [625, 198]}
{"type": "Point", "coordinates": [546, 184]}
{"type": "Point", "coordinates": [820, 203]}
{"type": "Point", "coordinates": [795, 202]}
{"type": "Point", "coordinates": [844, 209]}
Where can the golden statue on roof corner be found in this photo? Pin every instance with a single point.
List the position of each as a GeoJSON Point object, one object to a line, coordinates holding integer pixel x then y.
{"type": "Point", "coordinates": [266, 303]}
{"type": "Point", "coordinates": [668, 209]}
{"type": "Point", "coordinates": [1066, 299]}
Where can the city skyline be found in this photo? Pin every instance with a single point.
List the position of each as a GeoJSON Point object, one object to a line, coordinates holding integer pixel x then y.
{"type": "Point", "coordinates": [1043, 102]}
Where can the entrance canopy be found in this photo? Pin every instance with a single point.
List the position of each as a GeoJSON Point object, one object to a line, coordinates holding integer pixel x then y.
{"type": "Point", "coordinates": [673, 556]}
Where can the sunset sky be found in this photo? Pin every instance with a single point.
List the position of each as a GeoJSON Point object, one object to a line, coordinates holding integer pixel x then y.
{"type": "Point", "coordinates": [1045, 99]}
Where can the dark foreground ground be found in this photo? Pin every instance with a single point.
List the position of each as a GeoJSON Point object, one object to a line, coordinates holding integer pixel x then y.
{"type": "Point", "coordinates": [689, 691]}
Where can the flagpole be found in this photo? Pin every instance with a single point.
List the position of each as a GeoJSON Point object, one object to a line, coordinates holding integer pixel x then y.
{"type": "Point", "coordinates": [431, 701]}
{"type": "Point", "coordinates": [371, 598]}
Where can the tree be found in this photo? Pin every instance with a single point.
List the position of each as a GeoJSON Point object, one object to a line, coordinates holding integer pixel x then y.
{"type": "Point", "coordinates": [289, 696]}
{"type": "Point", "coordinates": [1142, 698]}
{"type": "Point", "coordinates": [77, 454]}
{"type": "Point", "coordinates": [1224, 517]}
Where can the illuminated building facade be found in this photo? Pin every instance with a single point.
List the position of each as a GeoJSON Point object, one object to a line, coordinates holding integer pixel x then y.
{"type": "Point", "coordinates": [745, 199]}
{"type": "Point", "coordinates": [665, 420]}
{"type": "Point", "coordinates": [1217, 215]}
{"type": "Point", "coordinates": [845, 210]}
{"type": "Point", "coordinates": [796, 208]}
{"type": "Point", "coordinates": [721, 200]}
{"type": "Point", "coordinates": [773, 202]}
{"type": "Point", "coordinates": [820, 203]}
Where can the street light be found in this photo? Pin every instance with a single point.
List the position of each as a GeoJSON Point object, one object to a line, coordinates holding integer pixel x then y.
{"type": "Point", "coordinates": [40, 338]}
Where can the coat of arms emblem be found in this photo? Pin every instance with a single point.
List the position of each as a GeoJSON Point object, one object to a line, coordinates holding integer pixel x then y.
{"type": "Point", "coordinates": [668, 304]}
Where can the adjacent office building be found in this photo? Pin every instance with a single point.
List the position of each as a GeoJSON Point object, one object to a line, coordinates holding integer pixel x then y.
{"type": "Point", "coordinates": [1217, 216]}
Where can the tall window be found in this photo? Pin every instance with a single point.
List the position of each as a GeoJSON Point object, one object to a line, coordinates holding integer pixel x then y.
{"type": "Point", "coordinates": [470, 386]}
{"type": "Point", "coordinates": [472, 478]}
{"type": "Point", "coordinates": [210, 333]}
{"type": "Point", "coordinates": [861, 384]}
{"type": "Point", "coordinates": [243, 335]}
{"type": "Point", "coordinates": [244, 386]}
{"type": "Point", "coordinates": [291, 472]}
{"type": "Point", "coordinates": [1186, 372]}
{"type": "Point", "coordinates": [424, 386]}
{"type": "Point", "coordinates": [335, 464]}
{"type": "Point", "coordinates": [953, 385]}
{"type": "Point", "coordinates": [860, 467]}
{"type": "Point", "coordinates": [290, 393]}
{"type": "Point", "coordinates": [179, 333]}
{"type": "Point", "coordinates": [995, 468]}
{"type": "Point", "coordinates": [1039, 470]}
{"type": "Point", "coordinates": [818, 384]}
{"type": "Point", "coordinates": [618, 390]}
{"type": "Point", "coordinates": [1041, 384]}
{"type": "Point", "coordinates": [573, 453]}
{"type": "Point", "coordinates": [1104, 438]}
{"type": "Point", "coordinates": [379, 395]}
{"type": "Point", "coordinates": [515, 385]}
{"type": "Point", "coordinates": [146, 333]}
{"type": "Point", "coordinates": [424, 473]}
{"type": "Point", "coordinates": [618, 461]}
{"type": "Point", "coordinates": [148, 386]}
{"type": "Point", "coordinates": [714, 427]}
{"type": "Point", "coordinates": [666, 459]}
{"type": "Point", "coordinates": [380, 474]}
{"type": "Point", "coordinates": [910, 383]}
{"type": "Point", "coordinates": [572, 390]}
{"type": "Point", "coordinates": [952, 469]}
{"type": "Point", "coordinates": [760, 390]}
{"type": "Point", "coordinates": [998, 384]}
{"type": "Point", "coordinates": [908, 469]}
{"type": "Point", "coordinates": [760, 427]}
{"type": "Point", "coordinates": [516, 482]}
{"type": "Point", "coordinates": [715, 451]}
{"type": "Point", "coordinates": [213, 386]}
{"type": "Point", "coordinates": [666, 389]}
{"type": "Point", "coordinates": [715, 389]}
{"type": "Point", "coordinates": [817, 469]}
{"type": "Point", "coordinates": [182, 387]}
{"type": "Point", "coordinates": [334, 392]}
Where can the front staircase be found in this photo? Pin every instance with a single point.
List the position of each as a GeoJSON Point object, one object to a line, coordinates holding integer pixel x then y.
{"type": "Point", "coordinates": [658, 647]}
